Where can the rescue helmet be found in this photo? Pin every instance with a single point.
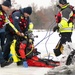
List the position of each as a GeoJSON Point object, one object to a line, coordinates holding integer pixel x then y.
{"type": "Point", "coordinates": [27, 10]}
{"type": "Point", "coordinates": [6, 3]}
{"type": "Point", "coordinates": [63, 1]}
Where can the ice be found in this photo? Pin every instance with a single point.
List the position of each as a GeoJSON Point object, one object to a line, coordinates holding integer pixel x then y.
{"type": "Point", "coordinates": [13, 69]}
{"type": "Point", "coordinates": [43, 47]}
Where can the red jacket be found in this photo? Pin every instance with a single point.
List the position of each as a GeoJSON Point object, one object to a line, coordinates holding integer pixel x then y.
{"type": "Point", "coordinates": [2, 17]}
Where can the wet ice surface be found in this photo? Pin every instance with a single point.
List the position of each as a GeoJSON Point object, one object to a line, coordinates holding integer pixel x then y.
{"type": "Point", "coordinates": [73, 73]}
{"type": "Point", "coordinates": [62, 70]}
{"type": "Point", "coordinates": [13, 69]}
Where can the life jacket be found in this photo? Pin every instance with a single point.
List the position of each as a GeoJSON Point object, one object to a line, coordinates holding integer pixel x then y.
{"type": "Point", "coordinates": [23, 23]}
{"type": "Point", "coordinates": [2, 19]}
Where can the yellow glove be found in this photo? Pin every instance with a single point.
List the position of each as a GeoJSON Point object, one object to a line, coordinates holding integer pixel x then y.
{"type": "Point", "coordinates": [31, 26]}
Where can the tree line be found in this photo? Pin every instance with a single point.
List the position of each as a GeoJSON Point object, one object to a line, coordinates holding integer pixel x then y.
{"type": "Point", "coordinates": [44, 18]}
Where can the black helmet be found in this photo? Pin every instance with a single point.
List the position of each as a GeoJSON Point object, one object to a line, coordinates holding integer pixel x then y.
{"type": "Point", "coordinates": [27, 10]}
{"type": "Point", "coordinates": [62, 1]}
{"type": "Point", "coordinates": [7, 4]}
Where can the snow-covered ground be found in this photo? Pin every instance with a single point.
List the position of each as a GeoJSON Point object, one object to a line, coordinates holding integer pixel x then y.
{"type": "Point", "coordinates": [45, 47]}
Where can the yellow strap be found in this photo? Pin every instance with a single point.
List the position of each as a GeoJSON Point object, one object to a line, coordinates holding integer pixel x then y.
{"type": "Point", "coordinates": [65, 6]}
{"type": "Point", "coordinates": [11, 25]}
{"type": "Point", "coordinates": [13, 52]}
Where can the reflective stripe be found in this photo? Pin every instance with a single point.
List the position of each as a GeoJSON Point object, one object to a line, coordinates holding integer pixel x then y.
{"type": "Point", "coordinates": [11, 25]}
{"type": "Point", "coordinates": [65, 19]}
{"type": "Point", "coordinates": [70, 29]}
{"type": "Point", "coordinates": [66, 31]}
{"type": "Point", "coordinates": [66, 28]}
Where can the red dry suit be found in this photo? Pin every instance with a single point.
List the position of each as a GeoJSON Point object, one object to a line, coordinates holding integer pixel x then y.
{"type": "Point", "coordinates": [31, 56]}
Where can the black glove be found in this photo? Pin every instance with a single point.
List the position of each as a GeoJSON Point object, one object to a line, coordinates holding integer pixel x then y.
{"type": "Point", "coordinates": [55, 28]}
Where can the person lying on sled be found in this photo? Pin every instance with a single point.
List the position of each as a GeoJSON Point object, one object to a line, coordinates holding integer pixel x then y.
{"type": "Point", "coordinates": [27, 56]}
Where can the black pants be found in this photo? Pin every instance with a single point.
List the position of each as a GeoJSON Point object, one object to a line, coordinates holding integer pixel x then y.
{"type": "Point", "coordinates": [6, 50]}
{"type": "Point", "coordinates": [1, 57]}
{"type": "Point", "coordinates": [65, 37]}
{"type": "Point", "coordinates": [2, 37]}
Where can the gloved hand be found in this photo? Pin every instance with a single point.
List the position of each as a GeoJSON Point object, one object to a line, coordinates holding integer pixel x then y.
{"type": "Point", "coordinates": [55, 28]}
{"type": "Point", "coordinates": [25, 64]}
{"type": "Point", "coordinates": [20, 34]}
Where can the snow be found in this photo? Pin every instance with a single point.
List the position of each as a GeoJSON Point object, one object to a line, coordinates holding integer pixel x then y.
{"type": "Point", "coordinates": [45, 47]}
{"type": "Point", "coordinates": [16, 70]}
{"type": "Point", "coordinates": [51, 43]}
